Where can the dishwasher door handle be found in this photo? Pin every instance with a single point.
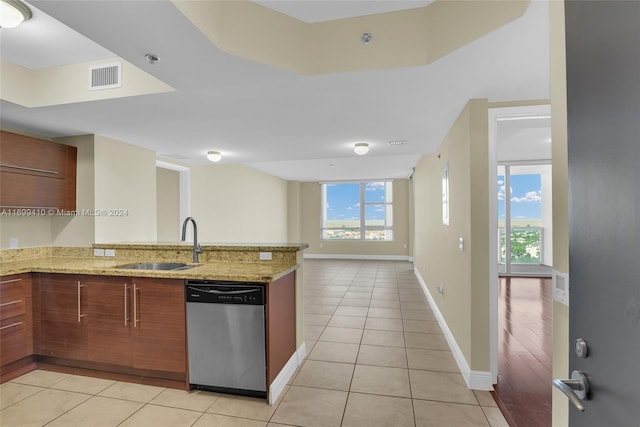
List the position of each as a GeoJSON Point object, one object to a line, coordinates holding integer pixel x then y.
{"type": "Point", "coordinates": [216, 291]}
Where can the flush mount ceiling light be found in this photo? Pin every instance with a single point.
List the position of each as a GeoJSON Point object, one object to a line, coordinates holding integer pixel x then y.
{"type": "Point", "coordinates": [361, 148]}
{"type": "Point", "coordinates": [214, 156]}
{"type": "Point", "coordinates": [13, 12]}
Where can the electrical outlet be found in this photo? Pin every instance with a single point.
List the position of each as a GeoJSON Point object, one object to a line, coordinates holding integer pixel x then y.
{"type": "Point", "coordinates": [266, 256]}
{"type": "Point", "coordinates": [13, 243]}
{"type": "Point", "coordinates": [461, 244]}
{"type": "Point", "coordinates": [98, 252]}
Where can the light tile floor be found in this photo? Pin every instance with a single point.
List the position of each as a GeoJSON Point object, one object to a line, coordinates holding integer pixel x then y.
{"type": "Point", "coordinates": [376, 357]}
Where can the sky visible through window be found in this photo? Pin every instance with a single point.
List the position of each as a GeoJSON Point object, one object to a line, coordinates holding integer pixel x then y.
{"type": "Point", "coordinates": [526, 197]}
{"type": "Point", "coordinates": [344, 201]}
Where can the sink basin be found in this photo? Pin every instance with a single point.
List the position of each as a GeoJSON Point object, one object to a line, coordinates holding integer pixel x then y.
{"type": "Point", "coordinates": [171, 266]}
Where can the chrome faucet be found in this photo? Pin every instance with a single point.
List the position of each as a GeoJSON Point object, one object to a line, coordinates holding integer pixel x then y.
{"type": "Point", "coordinates": [196, 247]}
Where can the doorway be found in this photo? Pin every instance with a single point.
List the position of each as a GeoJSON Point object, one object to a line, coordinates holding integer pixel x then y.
{"type": "Point", "coordinates": [521, 242]}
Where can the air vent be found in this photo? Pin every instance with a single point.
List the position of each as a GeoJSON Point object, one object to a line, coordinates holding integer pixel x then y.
{"type": "Point", "coordinates": [397, 142]}
{"type": "Point", "coordinates": [105, 76]}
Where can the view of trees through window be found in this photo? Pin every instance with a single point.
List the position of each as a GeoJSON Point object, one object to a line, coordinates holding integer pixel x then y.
{"type": "Point", "coordinates": [357, 210]}
{"type": "Point", "coordinates": [525, 197]}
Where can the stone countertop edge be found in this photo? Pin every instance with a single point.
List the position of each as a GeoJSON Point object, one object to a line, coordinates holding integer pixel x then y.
{"type": "Point", "coordinates": [208, 246]}
{"type": "Point", "coordinates": [231, 271]}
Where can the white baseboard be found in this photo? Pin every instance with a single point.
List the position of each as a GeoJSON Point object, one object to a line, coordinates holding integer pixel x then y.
{"type": "Point", "coordinates": [476, 380]}
{"type": "Point", "coordinates": [358, 257]}
{"type": "Point", "coordinates": [280, 382]}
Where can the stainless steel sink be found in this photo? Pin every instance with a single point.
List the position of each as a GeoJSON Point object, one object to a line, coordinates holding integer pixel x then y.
{"type": "Point", "coordinates": [171, 266]}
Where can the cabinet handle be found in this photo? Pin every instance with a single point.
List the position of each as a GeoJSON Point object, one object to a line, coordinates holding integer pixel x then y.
{"type": "Point", "coordinates": [80, 315]}
{"type": "Point", "coordinates": [13, 325]}
{"type": "Point", "coordinates": [11, 303]}
{"type": "Point", "coordinates": [25, 168]}
{"type": "Point", "coordinates": [136, 292]}
{"type": "Point", "coordinates": [10, 281]}
{"type": "Point", "coordinates": [126, 304]}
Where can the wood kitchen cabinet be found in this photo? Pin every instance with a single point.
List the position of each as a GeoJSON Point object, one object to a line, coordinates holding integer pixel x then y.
{"type": "Point", "coordinates": [16, 326]}
{"type": "Point", "coordinates": [62, 327]}
{"type": "Point", "coordinates": [36, 173]}
{"type": "Point", "coordinates": [109, 319]}
{"type": "Point", "coordinates": [159, 332]}
{"type": "Point", "coordinates": [137, 323]}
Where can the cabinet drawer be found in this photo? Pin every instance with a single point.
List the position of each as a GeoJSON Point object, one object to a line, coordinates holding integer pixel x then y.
{"type": "Point", "coordinates": [15, 340]}
{"type": "Point", "coordinates": [12, 298]}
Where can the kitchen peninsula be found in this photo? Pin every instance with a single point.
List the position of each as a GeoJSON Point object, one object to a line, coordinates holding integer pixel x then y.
{"type": "Point", "coordinates": [77, 310]}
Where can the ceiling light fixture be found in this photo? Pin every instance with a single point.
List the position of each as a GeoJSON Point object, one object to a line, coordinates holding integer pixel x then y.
{"type": "Point", "coordinates": [214, 156]}
{"type": "Point", "coordinates": [13, 12]}
{"type": "Point", "coordinates": [361, 148]}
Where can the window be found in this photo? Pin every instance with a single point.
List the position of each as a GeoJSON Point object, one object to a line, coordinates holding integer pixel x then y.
{"type": "Point", "coordinates": [357, 211]}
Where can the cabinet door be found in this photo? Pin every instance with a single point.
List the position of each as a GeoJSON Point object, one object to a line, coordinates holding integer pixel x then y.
{"type": "Point", "coordinates": [36, 173]}
{"type": "Point", "coordinates": [159, 325]}
{"type": "Point", "coordinates": [109, 308]}
{"type": "Point", "coordinates": [63, 328]}
{"type": "Point", "coordinates": [16, 331]}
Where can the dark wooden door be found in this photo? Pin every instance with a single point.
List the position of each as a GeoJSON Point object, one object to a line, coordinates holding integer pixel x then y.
{"type": "Point", "coordinates": [109, 321]}
{"type": "Point", "coordinates": [603, 106]}
{"type": "Point", "coordinates": [63, 323]}
{"type": "Point", "coordinates": [159, 325]}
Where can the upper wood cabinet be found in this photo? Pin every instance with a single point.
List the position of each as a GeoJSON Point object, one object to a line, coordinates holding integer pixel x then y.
{"type": "Point", "coordinates": [35, 173]}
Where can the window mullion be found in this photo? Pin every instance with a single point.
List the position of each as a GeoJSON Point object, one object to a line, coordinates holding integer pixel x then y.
{"type": "Point", "coordinates": [362, 210]}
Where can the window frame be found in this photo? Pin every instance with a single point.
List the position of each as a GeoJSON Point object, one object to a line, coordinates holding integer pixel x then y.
{"type": "Point", "coordinates": [363, 228]}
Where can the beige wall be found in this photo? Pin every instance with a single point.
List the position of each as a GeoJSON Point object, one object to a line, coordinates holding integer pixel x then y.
{"type": "Point", "coordinates": [560, 183]}
{"type": "Point", "coordinates": [235, 203]}
{"type": "Point", "coordinates": [402, 38]}
{"type": "Point", "coordinates": [168, 204]}
{"type": "Point", "coordinates": [78, 230]}
{"type": "Point", "coordinates": [47, 230]}
{"type": "Point", "coordinates": [125, 178]}
{"type": "Point", "coordinates": [311, 222]}
{"type": "Point", "coordinates": [70, 83]}
{"type": "Point", "coordinates": [294, 211]}
{"type": "Point", "coordinates": [31, 232]}
{"type": "Point", "coordinates": [464, 275]}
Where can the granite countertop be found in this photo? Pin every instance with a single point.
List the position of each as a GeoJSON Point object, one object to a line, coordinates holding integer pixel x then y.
{"type": "Point", "coordinates": [235, 271]}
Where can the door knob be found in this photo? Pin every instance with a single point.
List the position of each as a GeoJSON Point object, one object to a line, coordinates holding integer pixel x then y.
{"type": "Point", "coordinates": [576, 389]}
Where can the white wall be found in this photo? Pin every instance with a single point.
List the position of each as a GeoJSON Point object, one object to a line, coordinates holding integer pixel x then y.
{"type": "Point", "coordinates": [125, 179]}
{"type": "Point", "coordinates": [235, 203]}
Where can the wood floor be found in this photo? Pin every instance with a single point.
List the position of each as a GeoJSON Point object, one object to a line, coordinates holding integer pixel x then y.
{"type": "Point", "coordinates": [523, 391]}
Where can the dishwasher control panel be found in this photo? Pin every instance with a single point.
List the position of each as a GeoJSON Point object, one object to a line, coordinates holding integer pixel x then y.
{"type": "Point", "coordinates": [225, 293]}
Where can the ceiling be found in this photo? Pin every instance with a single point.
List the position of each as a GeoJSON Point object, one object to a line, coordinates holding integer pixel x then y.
{"type": "Point", "coordinates": [298, 127]}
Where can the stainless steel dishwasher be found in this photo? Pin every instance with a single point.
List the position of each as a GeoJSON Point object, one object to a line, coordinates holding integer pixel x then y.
{"type": "Point", "coordinates": [226, 337]}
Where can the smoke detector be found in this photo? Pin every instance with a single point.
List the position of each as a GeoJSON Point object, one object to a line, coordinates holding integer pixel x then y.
{"type": "Point", "coordinates": [151, 58]}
